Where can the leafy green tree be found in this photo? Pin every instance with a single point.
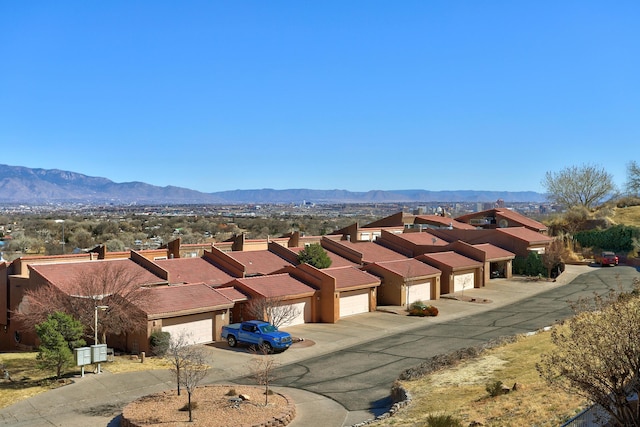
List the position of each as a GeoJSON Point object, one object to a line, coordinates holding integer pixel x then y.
{"type": "Point", "coordinates": [81, 239]}
{"type": "Point", "coordinates": [584, 185]}
{"type": "Point", "coordinates": [115, 245]}
{"type": "Point", "coordinates": [532, 265]}
{"type": "Point", "coordinates": [315, 255]}
{"type": "Point", "coordinates": [58, 335]}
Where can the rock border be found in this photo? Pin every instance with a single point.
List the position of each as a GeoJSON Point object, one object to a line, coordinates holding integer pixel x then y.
{"type": "Point", "coordinates": [401, 397]}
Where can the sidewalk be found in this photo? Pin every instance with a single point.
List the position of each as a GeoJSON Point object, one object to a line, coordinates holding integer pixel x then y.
{"type": "Point", "coordinates": [98, 399]}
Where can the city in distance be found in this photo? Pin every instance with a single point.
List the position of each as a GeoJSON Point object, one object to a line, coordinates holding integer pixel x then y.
{"type": "Point", "coordinates": [33, 186]}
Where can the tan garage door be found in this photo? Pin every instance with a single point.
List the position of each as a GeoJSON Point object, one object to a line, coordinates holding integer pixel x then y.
{"type": "Point", "coordinates": [198, 331]}
{"type": "Point", "coordinates": [354, 302]}
{"type": "Point", "coordinates": [463, 281]}
{"type": "Point", "coordinates": [420, 292]}
{"type": "Point", "coordinates": [303, 309]}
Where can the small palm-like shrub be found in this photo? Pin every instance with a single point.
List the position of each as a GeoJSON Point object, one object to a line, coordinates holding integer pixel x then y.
{"type": "Point", "coordinates": [495, 388]}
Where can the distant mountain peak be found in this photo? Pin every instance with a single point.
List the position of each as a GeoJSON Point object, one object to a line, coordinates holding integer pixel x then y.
{"type": "Point", "coordinates": [19, 184]}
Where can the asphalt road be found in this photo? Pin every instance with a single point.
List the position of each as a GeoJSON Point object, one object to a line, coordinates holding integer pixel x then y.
{"type": "Point", "coordinates": [360, 377]}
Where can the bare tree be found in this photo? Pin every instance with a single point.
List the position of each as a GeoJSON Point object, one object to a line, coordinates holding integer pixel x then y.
{"type": "Point", "coordinates": [274, 310]}
{"type": "Point", "coordinates": [583, 185]}
{"type": "Point", "coordinates": [100, 284]}
{"type": "Point", "coordinates": [633, 179]}
{"type": "Point", "coordinates": [596, 355]}
{"type": "Point", "coordinates": [177, 354]}
{"type": "Point", "coordinates": [263, 368]}
{"type": "Point", "coordinates": [194, 369]}
{"type": "Point", "coordinates": [552, 255]}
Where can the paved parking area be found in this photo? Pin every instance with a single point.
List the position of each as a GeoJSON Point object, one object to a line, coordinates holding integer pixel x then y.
{"type": "Point", "coordinates": [343, 373]}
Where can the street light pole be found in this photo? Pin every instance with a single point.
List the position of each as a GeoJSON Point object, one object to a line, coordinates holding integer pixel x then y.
{"type": "Point", "coordinates": [95, 329]}
{"type": "Point", "coordinates": [61, 221]}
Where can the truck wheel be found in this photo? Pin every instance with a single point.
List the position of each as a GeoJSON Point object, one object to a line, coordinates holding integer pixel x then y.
{"type": "Point", "coordinates": [231, 340]}
{"type": "Point", "coordinates": [267, 347]}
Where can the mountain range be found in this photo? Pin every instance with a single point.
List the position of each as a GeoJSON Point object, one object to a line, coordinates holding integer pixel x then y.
{"type": "Point", "coordinates": [19, 184]}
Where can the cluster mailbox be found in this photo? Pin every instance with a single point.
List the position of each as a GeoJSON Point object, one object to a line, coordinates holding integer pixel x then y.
{"type": "Point", "coordinates": [82, 356]}
{"type": "Point", "coordinates": [88, 355]}
{"type": "Point", "coordinates": [98, 353]}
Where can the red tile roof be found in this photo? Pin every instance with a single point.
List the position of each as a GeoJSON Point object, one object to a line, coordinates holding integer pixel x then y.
{"type": "Point", "coordinates": [423, 238]}
{"type": "Point", "coordinates": [452, 259]}
{"type": "Point", "coordinates": [232, 293]}
{"type": "Point", "coordinates": [336, 260]}
{"type": "Point", "coordinates": [512, 216]}
{"type": "Point", "coordinates": [259, 262]}
{"type": "Point", "coordinates": [525, 234]}
{"type": "Point", "coordinates": [512, 219]}
{"type": "Point", "coordinates": [493, 252]}
{"type": "Point", "coordinates": [68, 275]}
{"type": "Point", "coordinates": [409, 268]}
{"type": "Point", "coordinates": [352, 278]}
{"type": "Point", "coordinates": [194, 270]}
{"type": "Point", "coordinates": [372, 252]}
{"type": "Point", "coordinates": [276, 286]}
{"type": "Point", "coordinates": [192, 298]}
{"type": "Point", "coordinates": [442, 221]}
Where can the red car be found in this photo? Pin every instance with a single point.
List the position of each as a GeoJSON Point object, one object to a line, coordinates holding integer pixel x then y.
{"type": "Point", "coordinates": [607, 258]}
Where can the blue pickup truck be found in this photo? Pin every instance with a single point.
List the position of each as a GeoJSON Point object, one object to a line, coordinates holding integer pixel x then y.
{"type": "Point", "coordinates": [257, 332]}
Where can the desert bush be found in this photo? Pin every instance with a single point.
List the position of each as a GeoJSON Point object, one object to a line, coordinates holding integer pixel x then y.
{"type": "Point", "coordinates": [442, 420]}
{"type": "Point", "coordinates": [431, 310]}
{"type": "Point", "coordinates": [495, 388]}
{"type": "Point", "coordinates": [626, 202]}
{"type": "Point", "coordinates": [159, 342]}
{"type": "Point", "coordinates": [231, 392]}
{"type": "Point", "coordinates": [418, 308]}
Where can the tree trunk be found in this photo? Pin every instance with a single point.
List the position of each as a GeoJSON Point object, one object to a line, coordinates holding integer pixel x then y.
{"type": "Point", "coordinates": [266, 394]}
{"type": "Point", "coordinates": [190, 417]}
{"type": "Point", "coordinates": [178, 379]}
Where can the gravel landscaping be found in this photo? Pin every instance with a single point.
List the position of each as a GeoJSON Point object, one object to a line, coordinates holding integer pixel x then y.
{"type": "Point", "coordinates": [217, 405]}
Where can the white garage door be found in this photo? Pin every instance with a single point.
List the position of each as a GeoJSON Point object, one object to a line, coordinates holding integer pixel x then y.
{"type": "Point", "coordinates": [421, 292]}
{"type": "Point", "coordinates": [303, 310]}
{"type": "Point", "coordinates": [463, 281]}
{"type": "Point", "coordinates": [354, 303]}
{"type": "Point", "coordinates": [198, 331]}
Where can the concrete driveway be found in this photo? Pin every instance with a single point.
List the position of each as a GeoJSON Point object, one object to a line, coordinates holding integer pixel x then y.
{"type": "Point", "coordinates": [342, 373]}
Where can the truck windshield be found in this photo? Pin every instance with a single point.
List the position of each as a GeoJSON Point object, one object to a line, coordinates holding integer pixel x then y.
{"type": "Point", "coordinates": [267, 328]}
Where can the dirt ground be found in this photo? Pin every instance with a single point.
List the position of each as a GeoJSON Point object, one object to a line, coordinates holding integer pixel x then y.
{"type": "Point", "coordinates": [215, 405]}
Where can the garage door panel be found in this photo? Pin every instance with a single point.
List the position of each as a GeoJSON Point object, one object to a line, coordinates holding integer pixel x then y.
{"type": "Point", "coordinates": [463, 281]}
{"type": "Point", "coordinates": [421, 292]}
{"type": "Point", "coordinates": [303, 310]}
{"type": "Point", "coordinates": [197, 331]}
{"type": "Point", "coordinates": [354, 303]}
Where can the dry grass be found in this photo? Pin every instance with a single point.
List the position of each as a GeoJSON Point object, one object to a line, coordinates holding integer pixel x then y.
{"type": "Point", "coordinates": [28, 380]}
{"type": "Point", "coordinates": [132, 364]}
{"type": "Point", "coordinates": [627, 216]}
{"type": "Point", "coordinates": [460, 391]}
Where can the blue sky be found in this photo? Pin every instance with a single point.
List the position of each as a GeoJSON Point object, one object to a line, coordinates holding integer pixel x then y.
{"type": "Point", "coordinates": [355, 95]}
